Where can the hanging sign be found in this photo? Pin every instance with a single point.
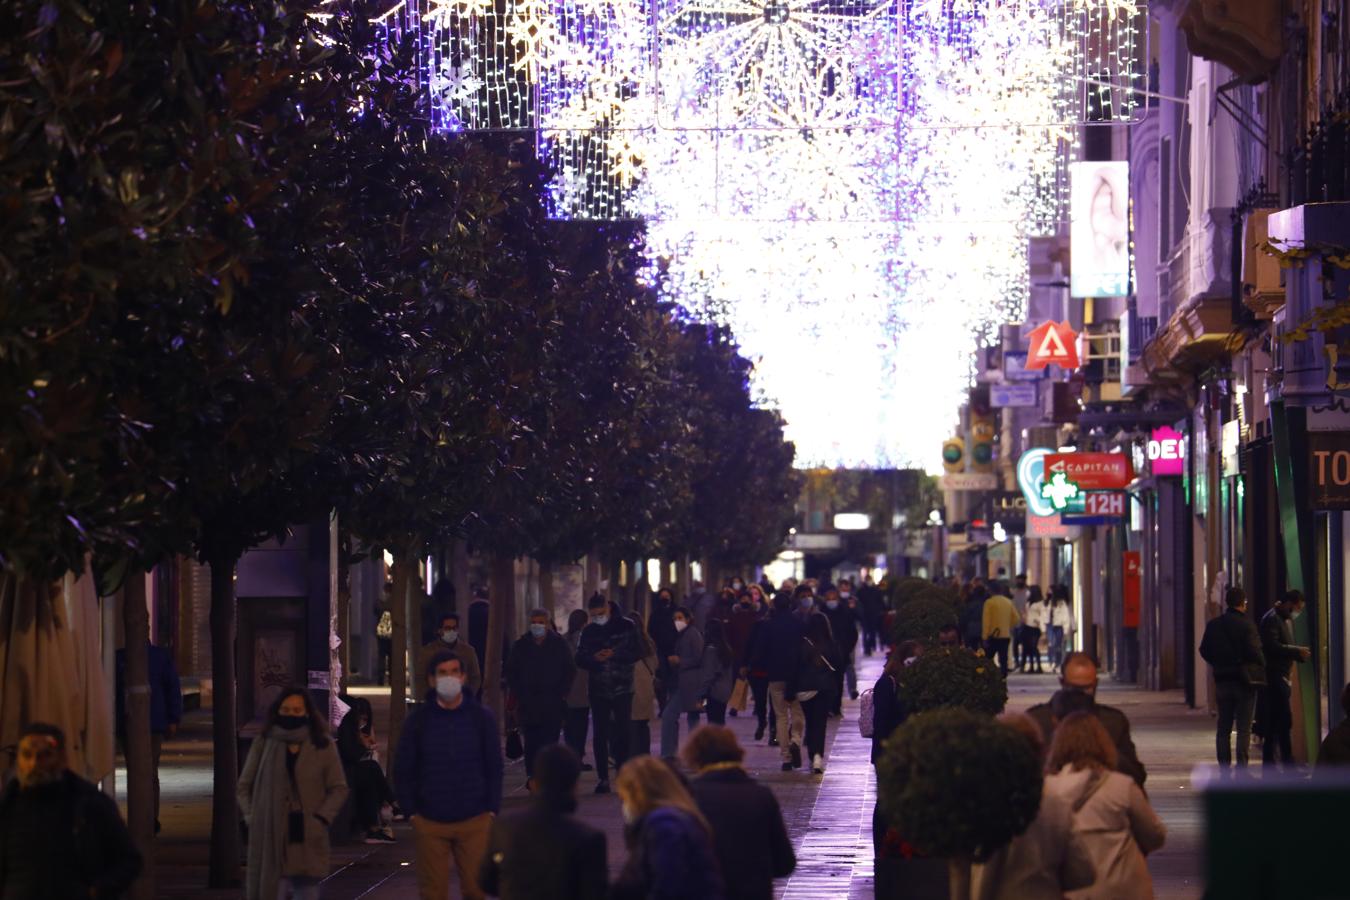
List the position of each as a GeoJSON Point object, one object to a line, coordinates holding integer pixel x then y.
{"type": "Point", "coordinates": [1167, 452]}
{"type": "Point", "coordinates": [1012, 395]}
{"type": "Point", "coordinates": [1091, 471]}
{"type": "Point", "coordinates": [1329, 469]}
{"type": "Point", "coordinates": [1105, 503]}
{"type": "Point", "coordinates": [1031, 479]}
{"type": "Point", "coordinates": [1053, 343]}
{"type": "Point", "coordinates": [1133, 571]}
{"type": "Point", "coordinates": [970, 481]}
{"type": "Point", "coordinates": [1099, 230]}
{"type": "Point", "coordinates": [1015, 367]}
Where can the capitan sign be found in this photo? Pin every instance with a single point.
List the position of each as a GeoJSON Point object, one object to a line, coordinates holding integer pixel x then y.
{"type": "Point", "coordinates": [1053, 343]}
{"type": "Point", "coordinates": [1166, 452]}
{"type": "Point", "coordinates": [1092, 471]}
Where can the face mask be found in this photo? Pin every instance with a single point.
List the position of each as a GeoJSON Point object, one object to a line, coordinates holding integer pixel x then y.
{"type": "Point", "coordinates": [601, 620]}
{"type": "Point", "coordinates": [537, 630]}
{"type": "Point", "coordinates": [832, 604]}
{"type": "Point", "coordinates": [845, 594]}
{"type": "Point", "coordinates": [737, 585]}
{"type": "Point", "coordinates": [806, 602]}
{"type": "Point", "coordinates": [448, 687]}
{"type": "Point", "coordinates": [681, 625]}
{"type": "Point", "coordinates": [1294, 615]}
{"type": "Point", "coordinates": [290, 723]}
{"type": "Point", "coordinates": [450, 635]}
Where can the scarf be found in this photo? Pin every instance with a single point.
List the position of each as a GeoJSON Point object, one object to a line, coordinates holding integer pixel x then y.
{"type": "Point", "coordinates": [267, 827]}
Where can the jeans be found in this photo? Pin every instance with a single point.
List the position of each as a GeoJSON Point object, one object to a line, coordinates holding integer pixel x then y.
{"type": "Point", "coordinates": [1017, 646]}
{"type": "Point", "coordinates": [1237, 705]}
{"type": "Point", "coordinates": [1279, 722]}
{"type": "Point", "coordinates": [998, 647]}
{"type": "Point", "coordinates": [791, 719]}
{"type": "Point", "coordinates": [676, 704]}
{"type": "Point", "coordinates": [611, 717]}
{"type": "Point", "coordinates": [640, 738]}
{"type": "Point", "coordinates": [298, 888]}
{"type": "Point", "coordinates": [536, 737]}
{"type": "Point", "coordinates": [575, 725]}
{"type": "Point", "coordinates": [436, 843]}
{"type": "Point", "coordinates": [814, 711]}
{"type": "Point", "coordinates": [1031, 647]}
{"type": "Point", "coordinates": [1055, 647]}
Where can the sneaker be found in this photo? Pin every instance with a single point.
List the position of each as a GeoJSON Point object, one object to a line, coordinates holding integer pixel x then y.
{"type": "Point", "coordinates": [602, 787]}
{"type": "Point", "coordinates": [795, 754]}
{"type": "Point", "coordinates": [759, 733]}
{"type": "Point", "coordinates": [818, 765]}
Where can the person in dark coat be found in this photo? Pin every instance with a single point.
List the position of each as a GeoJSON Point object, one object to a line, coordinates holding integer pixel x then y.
{"type": "Point", "coordinates": [544, 852]}
{"type": "Point", "coordinates": [972, 618]}
{"type": "Point", "coordinates": [1277, 643]}
{"type": "Point", "coordinates": [1232, 645]}
{"type": "Point", "coordinates": [60, 836]}
{"type": "Point", "coordinates": [684, 669]}
{"type": "Point", "coordinates": [670, 845]}
{"type": "Point", "coordinates": [661, 623]}
{"type": "Point", "coordinates": [749, 836]}
{"type": "Point", "coordinates": [370, 788]}
{"type": "Point", "coordinates": [166, 705]}
{"type": "Point", "coordinates": [888, 714]}
{"type": "Point", "coordinates": [843, 615]}
{"type": "Point", "coordinates": [872, 605]}
{"type": "Point", "coordinates": [1335, 749]}
{"type": "Point", "coordinates": [539, 671]}
{"type": "Point", "coordinates": [608, 650]}
{"type": "Point", "coordinates": [1079, 673]}
{"type": "Point", "coordinates": [477, 626]}
{"type": "Point", "coordinates": [818, 684]}
{"type": "Point", "coordinates": [777, 652]}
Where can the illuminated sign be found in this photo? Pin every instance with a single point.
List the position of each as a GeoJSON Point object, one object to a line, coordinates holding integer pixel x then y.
{"type": "Point", "coordinates": [1053, 343]}
{"type": "Point", "coordinates": [1031, 480]}
{"type": "Point", "coordinates": [1059, 490]}
{"type": "Point", "coordinates": [1167, 452]}
{"type": "Point", "coordinates": [1099, 230]}
{"type": "Point", "coordinates": [852, 521]}
{"type": "Point", "coordinates": [1105, 503]}
{"type": "Point", "coordinates": [1092, 471]}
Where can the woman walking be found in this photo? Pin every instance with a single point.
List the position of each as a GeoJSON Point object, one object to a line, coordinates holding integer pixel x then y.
{"type": "Point", "coordinates": [1112, 818]}
{"type": "Point", "coordinates": [817, 686]}
{"type": "Point", "coordinates": [1033, 621]}
{"type": "Point", "coordinates": [290, 790]}
{"type": "Point", "coordinates": [684, 666]}
{"type": "Point", "coordinates": [670, 848]}
{"type": "Point", "coordinates": [644, 692]}
{"type": "Point", "coordinates": [1060, 620]}
{"type": "Point", "coordinates": [717, 674]}
{"type": "Point", "coordinates": [578, 714]}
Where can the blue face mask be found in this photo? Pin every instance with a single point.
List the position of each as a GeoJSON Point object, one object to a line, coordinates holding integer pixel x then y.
{"type": "Point", "coordinates": [832, 604]}
{"type": "Point", "coordinates": [538, 630]}
{"type": "Point", "coordinates": [806, 602]}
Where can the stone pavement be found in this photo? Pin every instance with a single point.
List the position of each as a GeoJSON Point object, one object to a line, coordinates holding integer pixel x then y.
{"type": "Point", "coordinates": [828, 818]}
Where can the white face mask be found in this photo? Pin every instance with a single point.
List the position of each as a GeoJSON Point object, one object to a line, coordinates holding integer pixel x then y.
{"type": "Point", "coordinates": [832, 604]}
{"type": "Point", "coordinates": [538, 629]}
{"type": "Point", "coordinates": [844, 594]}
{"type": "Point", "coordinates": [450, 635]}
{"type": "Point", "coordinates": [448, 687]}
{"type": "Point", "coordinates": [681, 624]}
{"type": "Point", "coordinates": [600, 620]}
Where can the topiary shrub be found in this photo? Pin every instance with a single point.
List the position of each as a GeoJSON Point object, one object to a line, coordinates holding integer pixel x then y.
{"type": "Point", "coordinates": [953, 676]}
{"type": "Point", "coordinates": [906, 589]}
{"type": "Point", "coordinates": [921, 620]}
{"type": "Point", "coordinates": [941, 595]}
{"type": "Point", "coordinates": [958, 784]}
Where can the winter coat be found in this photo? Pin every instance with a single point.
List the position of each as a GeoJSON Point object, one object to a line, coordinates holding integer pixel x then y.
{"type": "Point", "coordinates": [540, 676]}
{"type": "Point", "coordinates": [1060, 616]}
{"type": "Point", "coordinates": [578, 695]}
{"type": "Point", "coordinates": [1116, 828]}
{"type": "Point", "coordinates": [1037, 616]}
{"type": "Point", "coordinates": [998, 618]}
{"type": "Point", "coordinates": [64, 840]}
{"type": "Point", "coordinates": [688, 672]}
{"type": "Point", "coordinates": [1042, 863]}
{"type": "Point", "coordinates": [1116, 725]}
{"type": "Point", "coordinates": [844, 625]}
{"type": "Point", "coordinates": [644, 689]}
{"type": "Point", "coordinates": [542, 852]}
{"type": "Point", "coordinates": [819, 668]}
{"type": "Point", "coordinates": [614, 677]}
{"type": "Point", "coordinates": [1335, 749]}
{"type": "Point", "coordinates": [716, 678]}
{"type": "Point", "coordinates": [1277, 645]}
{"type": "Point", "coordinates": [320, 789]}
{"type": "Point", "coordinates": [166, 692]}
{"type": "Point", "coordinates": [468, 664]}
{"type": "Point", "coordinates": [1232, 646]}
{"type": "Point", "coordinates": [888, 713]}
{"type": "Point", "coordinates": [749, 837]}
{"type": "Point", "coordinates": [972, 620]}
{"type": "Point", "coordinates": [661, 626]}
{"type": "Point", "coordinates": [872, 603]}
{"type": "Point", "coordinates": [670, 857]}
{"type": "Point", "coordinates": [738, 631]}
{"type": "Point", "coordinates": [777, 649]}
{"type": "Point", "coordinates": [449, 762]}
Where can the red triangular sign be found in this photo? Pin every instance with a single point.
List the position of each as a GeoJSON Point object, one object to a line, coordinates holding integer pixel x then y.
{"type": "Point", "coordinates": [1053, 343]}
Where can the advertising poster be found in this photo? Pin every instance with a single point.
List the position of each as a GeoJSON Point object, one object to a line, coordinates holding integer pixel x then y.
{"type": "Point", "coordinates": [1099, 232]}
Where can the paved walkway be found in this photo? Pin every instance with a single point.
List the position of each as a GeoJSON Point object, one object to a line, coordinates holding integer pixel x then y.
{"type": "Point", "coordinates": [828, 818]}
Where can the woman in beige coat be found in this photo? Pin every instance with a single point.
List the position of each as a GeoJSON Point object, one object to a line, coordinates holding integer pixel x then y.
{"type": "Point", "coordinates": [1112, 818]}
{"type": "Point", "coordinates": [644, 693]}
{"type": "Point", "coordinates": [290, 790]}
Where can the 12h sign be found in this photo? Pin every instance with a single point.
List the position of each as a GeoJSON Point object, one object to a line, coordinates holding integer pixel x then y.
{"type": "Point", "coordinates": [1105, 503]}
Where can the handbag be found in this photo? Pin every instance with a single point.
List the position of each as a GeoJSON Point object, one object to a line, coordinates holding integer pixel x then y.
{"type": "Point", "coordinates": [740, 695]}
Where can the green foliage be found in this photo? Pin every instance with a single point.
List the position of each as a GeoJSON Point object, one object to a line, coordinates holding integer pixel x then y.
{"type": "Point", "coordinates": [955, 783]}
{"type": "Point", "coordinates": [940, 594]}
{"type": "Point", "coordinates": [921, 619]}
{"type": "Point", "coordinates": [905, 589]}
{"type": "Point", "coordinates": [953, 677]}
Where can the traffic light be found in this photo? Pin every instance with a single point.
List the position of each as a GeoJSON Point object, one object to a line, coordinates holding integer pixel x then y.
{"type": "Point", "coordinates": [954, 454]}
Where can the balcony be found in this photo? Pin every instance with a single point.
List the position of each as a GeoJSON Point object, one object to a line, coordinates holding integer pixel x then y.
{"type": "Point", "coordinates": [1196, 294]}
{"type": "Point", "coordinates": [1244, 35]}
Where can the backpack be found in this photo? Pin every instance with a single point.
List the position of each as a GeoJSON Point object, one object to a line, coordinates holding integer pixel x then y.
{"type": "Point", "coordinates": [867, 712]}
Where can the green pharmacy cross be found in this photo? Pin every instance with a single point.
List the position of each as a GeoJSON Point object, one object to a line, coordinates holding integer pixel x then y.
{"type": "Point", "coordinates": [1059, 490]}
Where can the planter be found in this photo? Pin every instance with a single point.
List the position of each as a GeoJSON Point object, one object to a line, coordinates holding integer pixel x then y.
{"type": "Point", "coordinates": [912, 879]}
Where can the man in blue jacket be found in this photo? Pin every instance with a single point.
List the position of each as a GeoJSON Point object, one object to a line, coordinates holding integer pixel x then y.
{"type": "Point", "coordinates": [448, 778]}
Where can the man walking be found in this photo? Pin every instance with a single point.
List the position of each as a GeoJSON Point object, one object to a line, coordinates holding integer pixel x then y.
{"type": "Point", "coordinates": [60, 836]}
{"type": "Point", "coordinates": [1079, 676]}
{"type": "Point", "coordinates": [1232, 646]}
{"type": "Point", "coordinates": [608, 650]}
{"type": "Point", "coordinates": [778, 653]}
{"type": "Point", "coordinates": [539, 671]}
{"type": "Point", "coordinates": [449, 639]}
{"type": "Point", "coordinates": [1020, 593]}
{"type": "Point", "coordinates": [448, 778]}
{"type": "Point", "coordinates": [843, 616]}
{"type": "Point", "coordinates": [873, 605]}
{"type": "Point", "coordinates": [999, 619]}
{"type": "Point", "coordinates": [1277, 643]}
{"type": "Point", "coordinates": [166, 705]}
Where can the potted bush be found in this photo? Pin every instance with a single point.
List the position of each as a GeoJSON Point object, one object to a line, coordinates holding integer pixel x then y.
{"type": "Point", "coordinates": [906, 589]}
{"type": "Point", "coordinates": [942, 595]}
{"type": "Point", "coordinates": [952, 677]}
{"type": "Point", "coordinates": [921, 619]}
{"type": "Point", "coordinates": [958, 786]}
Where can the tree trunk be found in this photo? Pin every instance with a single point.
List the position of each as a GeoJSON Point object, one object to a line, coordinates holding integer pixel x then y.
{"type": "Point", "coordinates": [459, 575]}
{"type": "Point", "coordinates": [501, 612]}
{"type": "Point", "coordinates": [590, 580]}
{"type": "Point", "coordinates": [344, 611]}
{"type": "Point", "coordinates": [416, 595]}
{"type": "Point", "coordinates": [136, 740]}
{"type": "Point", "coordinates": [398, 640]}
{"type": "Point", "coordinates": [547, 597]}
{"type": "Point", "coordinates": [223, 869]}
